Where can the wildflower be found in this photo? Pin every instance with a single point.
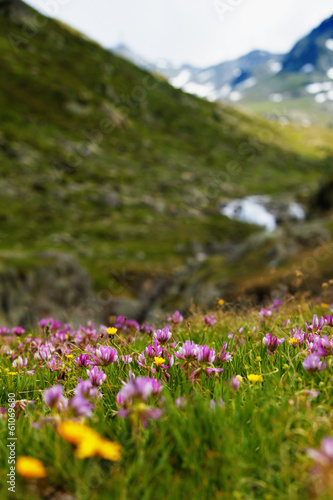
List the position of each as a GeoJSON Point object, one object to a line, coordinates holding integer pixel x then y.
{"type": "Point", "coordinates": [316, 325]}
{"type": "Point", "coordinates": [297, 338]}
{"type": "Point", "coordinates": [153, 350]}
{"type": "Point", "coordinates": [163, 336]}
{"type": "Point", "coordinates": [224, 356]}
{"type": "Point", "coordinates": [175, 318]}
{"type": "Point", "coordinates": [4, 331]}
{"type": "Point", "coordinates": [323, 346]}
{"type": "Point", "coordinates": [264, 313]}
{"type": "Point", "coordinates": [85, 389]}
{"type": "Point", "coordinates": [44, 353]}
{"type": "Point", "coordinates": [30, 468]}
{"type": "Point", "coordinates": [20, 363]}
{"type": "Point", "coordinates": [133, 396]}
{"type": "Point", "coordinates": [54, 399]}
{"type": "Point", "coordinates": [92, 446]}
{"type": "Point", "coordinates": [88, 442]}
{"type": "Point", "coordinates": [188, 351]}
{"type": "Point", "coordinates": [104, 355]}
{"type": "Point", "coordinates": [276, 304]}
{"type": "Point", "coordinates": [158, 361]}
{"type": "Point", "coordinates": [221, 302]}
{"type": "Point", "coordinates": [313, 364]}
{"type": "Point", "coordinates": [323, 456]}
{"type": "Point", "coordinates": [111, 331]}
{"type": "Point", "coordinates": [69, 356]}
{"type": "Point", "coordinates": [149, 330]}
{"type": "Point", "coordinates": [126, 359]}
{"type": "Point", "coordinates": [83, 360]}
{"type": "Point", "coordinates": [54, 364]}
{"type": "Point", "coordinates": [18, 331]}
{"type": "Point", "coordinates": [72, 431]}
{"type": "Point", "coordinates": [235, 383]}
{"type": "Point", "coordinates": [254, 378]}
{"type": "Point", "coordinates": [328, 320]}
{"type": "Point", "coordinates": [205, 354]}
{"type": "Point", "coordinates": [96, 376]}
{"type": "Point", "coordinates": [272, 342]}
{"type": "Point", "coordinates": [81, 407]}
{"type": "Point", "coordinates": [210, 320]}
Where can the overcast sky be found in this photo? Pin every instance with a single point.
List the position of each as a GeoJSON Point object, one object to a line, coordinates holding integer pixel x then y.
{"type": "Point", "coordinates": [201, 32]}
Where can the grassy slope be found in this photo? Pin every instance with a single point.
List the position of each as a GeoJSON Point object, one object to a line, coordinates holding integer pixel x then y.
{"type": "Point", "coordinates": [166, 159]}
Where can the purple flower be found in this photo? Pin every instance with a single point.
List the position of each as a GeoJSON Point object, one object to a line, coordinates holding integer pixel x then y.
{"type": "Point", "coordinates": [276, 304]}
{"type": "Point", "coordinates": [104, 355]}
{"type": "Point", "coordinates": [324, 456]}
{"type": "Point", "coordinates": [163, 336]}
{"type": "Point", "coordinates": [323, 346]}
{"type": "Point", "coordinates": [313, 364]}
{"type": "Point", "coordinates": [96, 376]}
{"type": "Point", "coordinates": [54, 399]}
{"type": "Point", "coordinates": [83, 360]}
{"type": "Point", "coordinates": [297, 337]}
{"type": "Point", "coordinates": [175, 318]}
{"type": "Point", "coordinates": [54, 364]}
{"type": "Point", "coordinates": [328, 320]}
{"type": "Point", "coordinates": [149, 330]}
{"type": "Point", "coordinates": [221, 403]}
{"type": "Point", "coordinates": [18, 331]}
{"type": "Point", "coordinates": [272, 342]}
{"type": "Point", "coordinates": [3, 412]}
{"type": "Point", "coordinates": [235, 383]}
{"type": "Point", "coordinates": [133, 396]}
{"type": "Point", "coordinates": [20, 363]}
{"type": "Point", "coordinates": [126, 359]}
{"type": "Point", "coordinates": [44, 353]}
{"type": "Point", "coordinates": [265, 313]}
{"type": "Point", "coordinates": [138, 388]}
{"type": "Point", "coordinates": [188, 351]}
{"type": "Point", "coordinates": [224, 356]}
{"type": "Point", "coordinates": [44, 322]}
{"type": "Point", "coordinates": [85, 389]}
{"type": "Point", "coordinates": [81, 407]}
{"type": "Point", "coordinates": [153, 350]}
{"type": "Point", "coordinates": [210, 320]}
{"type": "Point", "coordinates": [205, 354]}
{"type": "Point", "coordinates": [316, 325]}
{"type": "Point", "coordinates": [4, 331]}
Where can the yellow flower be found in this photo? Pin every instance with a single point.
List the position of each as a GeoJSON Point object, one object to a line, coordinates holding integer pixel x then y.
{"type": "Point", "coordinates": [221, 302]}
{"type": "Point", "coordinates": [30, 468]}
{"type": "Point", "coordinates": [74, 432]}
{"type": "Point", "coordinates": [326, 306]}
{"type": "Point", "coordinates": [293, 341]}
{"type": "Point", "coordinates": [239, 378]}
{"type": "Point", "coordinates": [254, 378]}
{"type": "Point", "coordinates": [12, 373]}
{"type": "Point", "coordinates": [158, 361]}
{"type": "Point", "coordinates": [69, 356]}
{"type": "Point", "coordinates": [88, 442]}
{"type": "Point", "coordinates": [111, 331]}
{"type": "Point", "coordinates": [95, 445]}
{"type": "Point", "coordinates": [110, 451]}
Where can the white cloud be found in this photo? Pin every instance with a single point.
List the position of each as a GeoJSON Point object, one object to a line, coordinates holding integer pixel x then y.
{"type": "Point", "coordinates": [191, 30]}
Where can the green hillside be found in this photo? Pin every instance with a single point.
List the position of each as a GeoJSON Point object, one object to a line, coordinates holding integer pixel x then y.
{"type": "Point", "coordinates": [102, 160]}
